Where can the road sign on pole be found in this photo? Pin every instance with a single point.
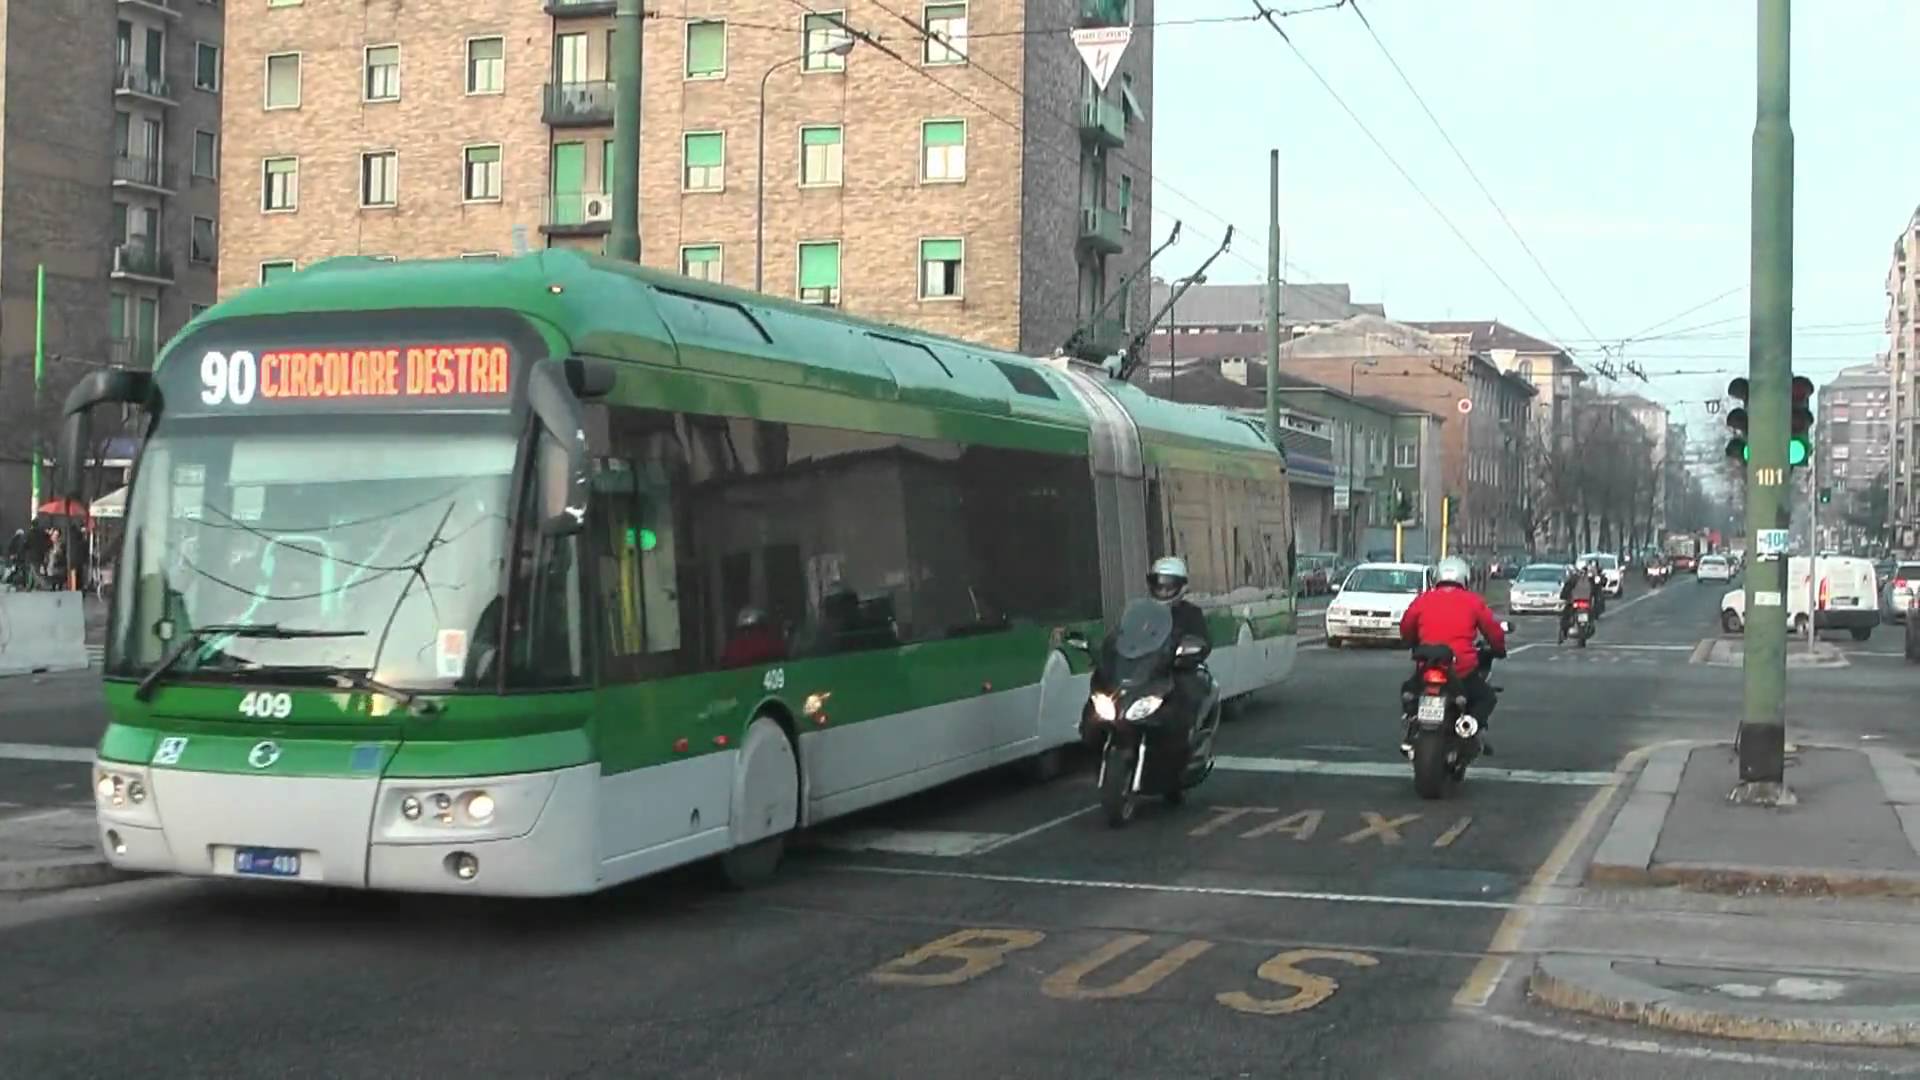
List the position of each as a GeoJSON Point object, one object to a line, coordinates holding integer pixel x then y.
{"type": "Point", "coordinates": [1465, 405]}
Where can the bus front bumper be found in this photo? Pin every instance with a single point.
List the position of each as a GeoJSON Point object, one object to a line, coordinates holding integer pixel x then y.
{"type": "Point", "coordinates": [529, 834]}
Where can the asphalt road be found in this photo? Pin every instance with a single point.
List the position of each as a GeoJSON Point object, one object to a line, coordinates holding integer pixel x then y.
{"type": "Point", "coordinates": [1289, 920]}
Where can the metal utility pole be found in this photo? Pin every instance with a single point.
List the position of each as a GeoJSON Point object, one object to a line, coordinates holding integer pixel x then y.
{"type": "Point", "coordinates": [39, 377]}
{"type": "Point", "coordinates": [1273, 297]}
{"type": "Point", "coordinates": [1813, 546]}
{"type": "Point", "coordinates": [624, 241]}
{"type": "Point", "coordinates": [1763, 731]}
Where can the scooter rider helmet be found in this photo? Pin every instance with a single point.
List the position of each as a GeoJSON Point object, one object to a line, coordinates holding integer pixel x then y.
{"type": "Point", "coordinates": [1452, 571]}
{"type": "Point", "coordinates": [1167, 581]}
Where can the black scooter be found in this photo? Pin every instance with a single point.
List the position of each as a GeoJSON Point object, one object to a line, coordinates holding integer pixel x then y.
{"type": "Point", "coordinates": [1153, 741]}
{"type": "Point", "coordinates": [1440, 739]}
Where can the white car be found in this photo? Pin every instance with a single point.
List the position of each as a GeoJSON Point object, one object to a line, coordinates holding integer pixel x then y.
{"type": "Point", "coordinates": [1714, 568]}
{"type": "Point", "coordinates": [1610, 572]}
{"type": "Point", "coordinates": [1367, 606]}
{"type": "Point", "coordinates": [1536, 589]}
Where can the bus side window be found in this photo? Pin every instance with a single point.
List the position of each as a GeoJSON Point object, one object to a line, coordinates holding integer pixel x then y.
{"type": "Point", "coordinates": [544, 642]}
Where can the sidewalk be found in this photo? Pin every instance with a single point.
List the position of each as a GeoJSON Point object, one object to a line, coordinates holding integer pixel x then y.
{"type": "Point", "coordinates": [1795, 923]}
{"type": "Point", "coordinates": [54, 848]}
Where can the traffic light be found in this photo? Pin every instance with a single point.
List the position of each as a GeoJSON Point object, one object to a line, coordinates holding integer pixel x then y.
{"type": "Point", "coordinates": [1826, 495]}
{"type": "Point", "coordinates": [1800, 440]}
{"type": "Point", "coordinates": [1737, 449]}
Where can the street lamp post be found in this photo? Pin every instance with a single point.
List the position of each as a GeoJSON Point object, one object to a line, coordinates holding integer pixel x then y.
{"type": "Point", "coordinates": [1353, 374]}
{"type": "Point", "coordinates": [839, 48]}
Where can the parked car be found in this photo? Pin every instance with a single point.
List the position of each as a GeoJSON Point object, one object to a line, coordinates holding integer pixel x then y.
{"type": "Point", "coordinates": [1903, 587]}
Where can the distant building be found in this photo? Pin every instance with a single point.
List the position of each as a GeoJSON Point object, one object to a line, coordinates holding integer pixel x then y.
{"type": "Point", "coordinates": [1548, 367]}
{"type": "Point", "coordinates": [1852, 435]}
{"type": "Point", "coordinates": [1243, 308]}
{"type": "Point", "coordinates": [1903, 367]}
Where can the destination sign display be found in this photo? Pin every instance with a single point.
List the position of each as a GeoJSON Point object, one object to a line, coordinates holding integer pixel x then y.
{"type": "Point", "coordinates": [346, 375]}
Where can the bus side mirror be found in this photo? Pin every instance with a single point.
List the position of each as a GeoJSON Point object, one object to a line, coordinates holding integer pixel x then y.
{"type": "Point", "coordinates": [99, 388]}
{"type": "Point", "coordinates": [589, 379]}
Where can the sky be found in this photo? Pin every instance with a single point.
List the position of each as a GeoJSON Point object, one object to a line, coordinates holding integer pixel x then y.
{"type": "Point", "coordinates": [1616, 137]}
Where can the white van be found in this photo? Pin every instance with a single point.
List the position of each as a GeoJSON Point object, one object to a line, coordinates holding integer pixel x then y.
{"type": "Point", "coordinates": [1848, 599]}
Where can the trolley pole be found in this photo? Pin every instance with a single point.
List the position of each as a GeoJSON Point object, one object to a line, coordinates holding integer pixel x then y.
{"type": "Point", "coordinates": [624, 241]}
{"type": "Point", "coordinates": [1273, 297]}
{"type": "Point", "coordinates": [1763, 732]}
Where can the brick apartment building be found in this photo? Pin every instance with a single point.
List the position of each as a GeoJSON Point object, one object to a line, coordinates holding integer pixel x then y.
{"type": "Point", "coordinates": [444, 128]}
{"type": "Point", "coordinates": [1853, 433]}
{"type": "Point", "coordinates": [110, 154]}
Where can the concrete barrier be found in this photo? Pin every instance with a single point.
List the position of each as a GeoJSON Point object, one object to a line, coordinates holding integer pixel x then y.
{"type": "Point", "coordinates": [42, 631]}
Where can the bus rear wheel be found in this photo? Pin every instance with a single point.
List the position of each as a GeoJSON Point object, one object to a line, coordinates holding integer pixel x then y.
{"type": "Point", "coordinates": [766, 803]}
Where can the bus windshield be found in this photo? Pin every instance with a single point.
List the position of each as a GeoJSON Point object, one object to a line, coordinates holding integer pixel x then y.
{"type": "Point", "coordinates": [387, 534]}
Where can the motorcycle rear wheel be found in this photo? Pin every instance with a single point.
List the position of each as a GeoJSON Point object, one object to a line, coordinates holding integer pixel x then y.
{"type": "Point", "coordinates": [1431, 770]}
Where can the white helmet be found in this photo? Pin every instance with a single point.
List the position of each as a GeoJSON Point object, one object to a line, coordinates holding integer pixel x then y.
{"type": "Point", "coordinates": [1452, 571]}
{"type": "Point", "coordinates": [1168, 578]}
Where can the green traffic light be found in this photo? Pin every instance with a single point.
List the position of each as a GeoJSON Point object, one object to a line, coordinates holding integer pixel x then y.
{"type": "Point", "coordinates": [1797, 451]}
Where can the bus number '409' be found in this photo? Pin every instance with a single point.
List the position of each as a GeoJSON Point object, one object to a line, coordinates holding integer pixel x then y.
{"type": "Point", "coordinates": [266, 706]}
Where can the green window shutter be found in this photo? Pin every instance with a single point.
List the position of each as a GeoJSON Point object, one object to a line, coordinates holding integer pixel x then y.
{"type": "Point", "coordinates": [820, 136]}
{"type": "Point", "coordinates": [705, 254]}
{"type": "Point", "coordinates": [481, 155]}
{"type": "Point", "coordinates": [945, 132]}
{"type": "Point", "coordinates": [819, 266]}
{"type": "Point", "coordinates": [940, 251]}
{"type": "Point", "coordinates": [706, 48]}
{"type": "Point", "coordinates": [704, 150]}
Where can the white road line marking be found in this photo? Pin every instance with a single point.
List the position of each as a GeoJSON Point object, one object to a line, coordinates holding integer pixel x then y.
{"type": "Point", "coordinates": [1037, 829]}
{"type": "Point", "coordinates": [1187, 890]}
{"type": "Point", "coordinates": [1698, 1053]}
{"type": "Point", "coordinates": [36, 752]}
{"type": "Point", "coordinates": [1511, 653]}
{"type": "Point", "coordinates": [1643, 648]}
{"type": "Point", "coordinates": [1399, 769]}
{"type": "Point", "coordinates": [935, 842]}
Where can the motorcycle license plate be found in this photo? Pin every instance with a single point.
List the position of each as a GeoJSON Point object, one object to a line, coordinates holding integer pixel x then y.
{"type": "Point", "coordinates": [1583, 618]}
{"type": "Point", "coordinates": [1433, 709]}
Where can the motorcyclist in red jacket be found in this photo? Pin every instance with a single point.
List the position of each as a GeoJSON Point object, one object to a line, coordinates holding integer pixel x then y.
{"type": "Point", "coordinates": [1453, 615]}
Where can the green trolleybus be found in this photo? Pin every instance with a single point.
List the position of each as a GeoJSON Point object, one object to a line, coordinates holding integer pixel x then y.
{"type": "Point", "coordinates": [534, 576]}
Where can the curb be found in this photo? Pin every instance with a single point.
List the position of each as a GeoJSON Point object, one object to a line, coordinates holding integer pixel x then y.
{"type": "Point", "coordinates": [40, 875]}
{"type": "Point", "coordinates": [1590, 985]}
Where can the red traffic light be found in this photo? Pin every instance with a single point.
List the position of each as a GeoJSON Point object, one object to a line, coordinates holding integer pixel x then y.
{"type": "Point", "coordinates": [1802, 389]}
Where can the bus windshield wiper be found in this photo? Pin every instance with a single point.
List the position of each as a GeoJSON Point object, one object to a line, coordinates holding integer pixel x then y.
{"type": "Point", "coordinates": [354, 678]}
{"type": "Point", "coordinates": [273, 631]}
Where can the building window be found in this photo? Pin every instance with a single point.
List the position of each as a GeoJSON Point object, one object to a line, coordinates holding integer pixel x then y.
{"type": "Point", "coordinates": [1126, 203]}
{"type": "Point", "coordinates": [271, 272]}
{"type": "Point", "coordinates": [705, 161]}
{"type": "Point", "coordinates": [943, 151]}
{"type": "Point", "coordinates": [707, 50]}
{"type": "Point", "coordinates": [820, 34]}
{"type": "Point", "coordinates": [940, 262]}
{"type": "Point", "coordinates": [283, 81]}
{"type": "Point", "coordinates": [379, 178]}
{"type": "Point", "coordinates": [486, 65]}
{"type": "Point", "coordinates": [200, 246]}
{"type": "Point", "coordinates": [701, 261]}
{"type": "Point", "coordinates": [946, 33]}
{"type": "Point", "coordinates": [483, 173]}
{"type": "Point", "coordinates": [206, 67]}
{"type": "Point", "coordinates": [480, 255]}
{"type": "Point", "coordinates": [820, 157]}
{"type": "Point", "coordinates": [382, 81]}
{"type": "Point", "coordinates": [206, 154]}
{"type": "Point", "coordinates": [820, 272]}
{"type": "Point", "coordinates": [281, 184]}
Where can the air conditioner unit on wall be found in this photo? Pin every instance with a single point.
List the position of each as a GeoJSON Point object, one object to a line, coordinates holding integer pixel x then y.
{"type": "Point", "coordinates": [597, 208]}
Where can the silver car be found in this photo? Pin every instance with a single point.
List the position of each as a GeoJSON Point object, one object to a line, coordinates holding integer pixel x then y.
{"type": "Point", "coordinates": [1536, 590]}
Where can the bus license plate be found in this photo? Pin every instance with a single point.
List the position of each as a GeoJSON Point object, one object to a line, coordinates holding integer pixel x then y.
{"type": "Point", "coordinates": [1433, 709]}
{"type": "Point", "coordinates": [266, 862]}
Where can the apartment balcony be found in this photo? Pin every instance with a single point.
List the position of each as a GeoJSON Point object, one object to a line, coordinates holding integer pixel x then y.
{"type": "Point", "coordinates": [1100, 230]}
{"type": "Point", "coordinates": [576, 213]}
{"type": "Point", "coordinates": [134, 80]}
{"type": "Point", "coordinates": [1100, 339]}
{"type": "Point", "coordinates": [578, 104]}
{"type": "Point", "coordinates": [1102, 121]}
{"type": "Point", "coordinates": [578, 9]}
{"type": "Point", "coordinates": [142, 262]}
{"type": "Point", "coordinates": [145, 174]}
{"type": "Point", "coordinates": [165, 9]}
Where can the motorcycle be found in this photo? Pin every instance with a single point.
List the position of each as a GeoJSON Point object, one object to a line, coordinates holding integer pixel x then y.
{"type": "Point", "coordinates": [1656, 573]}
{"type": "Point", "coordinates": [1582, 627]}
{"type": "Point", "coordinates": [1440, 739]}
{"type": "Point", "coordinates": [1153, 741]}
